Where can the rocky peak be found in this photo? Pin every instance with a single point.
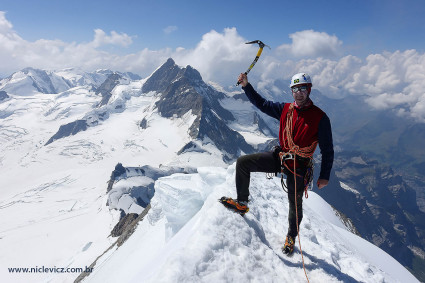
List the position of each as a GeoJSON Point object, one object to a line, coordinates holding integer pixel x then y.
{"type": "Point", "coordinates": [3, 95]}
{"type": "Point", "coordinates": [162, 77]}
{"type": "Point", "coordinates": [106, 88]}
{"type": "Point", "coordinates": [183, 90]}
{"type": "Point", "coordinates": [69, 129]}
{"type": "Point", "coordinates": [168, 73]}
{"type": "Point", "coordinates": [190, 73]}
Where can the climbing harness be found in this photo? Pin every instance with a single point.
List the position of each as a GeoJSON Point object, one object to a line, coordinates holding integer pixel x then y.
{"type": "Point", "coordinates": [283, 156]}
{"type": "Point", "coordinates": [304, 154]}
{"type": "Point", "coordinates": [260, 50]}
{"type": "Point", "coordinates": [308, 176]}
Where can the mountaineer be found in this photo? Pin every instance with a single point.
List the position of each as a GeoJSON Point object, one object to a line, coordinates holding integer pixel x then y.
{"type": "Point", "coordinates": [303, 126]}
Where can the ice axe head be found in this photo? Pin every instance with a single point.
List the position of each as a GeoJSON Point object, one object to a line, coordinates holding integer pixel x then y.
{"type": "Point", "coordinates": [260, 43]}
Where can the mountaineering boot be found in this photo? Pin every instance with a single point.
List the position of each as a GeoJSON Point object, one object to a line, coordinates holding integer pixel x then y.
{"type": "Point", "coordinates": [240, 207]}
{"type": "Point", "coordinates": [288, 248]}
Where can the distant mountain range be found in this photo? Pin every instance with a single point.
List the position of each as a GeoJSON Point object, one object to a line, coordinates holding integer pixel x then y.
{"type": "Point", "coordinates": [381, 205]}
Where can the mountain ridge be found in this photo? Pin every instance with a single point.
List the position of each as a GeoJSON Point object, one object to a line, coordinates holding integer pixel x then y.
{"type": "Point", "coordinates": [183, 90]}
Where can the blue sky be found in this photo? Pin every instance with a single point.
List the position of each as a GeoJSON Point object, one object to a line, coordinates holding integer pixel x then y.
{"type": "Point", "coordinates": [364, 26]}
{"type": "Point", "coordinates": [349, 47]}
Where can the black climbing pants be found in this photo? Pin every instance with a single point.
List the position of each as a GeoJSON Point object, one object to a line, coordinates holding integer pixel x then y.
{"type": "Point", "coordinates": [268, 162]}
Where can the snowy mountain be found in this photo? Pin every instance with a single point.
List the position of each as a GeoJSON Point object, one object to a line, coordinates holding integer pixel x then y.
{"type": "Point", "coordinates": [187, 236]}
{"type": "Point", "coordinates": [381, 205]}
{"type": "Point", "coordinates": [183, 91]}
{"type": "Point", "coordinates": [62, 133]}
{"type": "Point", "coordinates": [30, 81]}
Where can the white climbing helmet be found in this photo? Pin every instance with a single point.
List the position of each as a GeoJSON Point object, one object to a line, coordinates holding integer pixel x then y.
{"type": "Point", "coordinates": [300, 79]}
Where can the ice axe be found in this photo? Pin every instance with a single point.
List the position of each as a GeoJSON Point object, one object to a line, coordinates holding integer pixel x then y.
{"type": "Point", "coordinates": [261, 45]}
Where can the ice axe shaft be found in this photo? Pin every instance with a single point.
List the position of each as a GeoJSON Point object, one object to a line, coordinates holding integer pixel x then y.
{"type": "Point", "coordinates": [260, 50]}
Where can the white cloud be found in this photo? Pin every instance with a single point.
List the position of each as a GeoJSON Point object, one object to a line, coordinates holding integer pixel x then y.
{"type": "Point", "coordinates": [8, 38]}
{"type": "Point", "coordinates": [394, 81]}
{"type": "Point", "coordinates": [17, 53]}
{"type": "Point", "coordinates": [170, 29]}
{"type": "Point", "coordinates": [218, 56]}
{"type": "Point", "coordinates": [310, 43]}
{"type": "Point", "coordinates": [391, 80]}
{"type": "Point", "coordinates": [101, 38]}
{"type": "Point", "coordinates": [5, 25]}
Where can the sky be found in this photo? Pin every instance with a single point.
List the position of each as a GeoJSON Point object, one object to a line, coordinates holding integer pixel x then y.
{"type": "Point", "coordinates": [349, 47]}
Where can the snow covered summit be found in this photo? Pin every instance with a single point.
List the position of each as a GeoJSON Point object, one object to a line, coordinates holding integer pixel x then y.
{"type": "Point", "coordinates": [188, 236]}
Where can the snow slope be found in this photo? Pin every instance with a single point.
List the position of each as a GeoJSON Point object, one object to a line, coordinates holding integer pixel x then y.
{"type": "Point", "coordinates": [188, 236]}
{"type": "Point", "coordinates": [53, 198]}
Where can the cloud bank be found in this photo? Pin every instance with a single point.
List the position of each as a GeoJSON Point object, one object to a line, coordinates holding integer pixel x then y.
{"type": "Point", "coordinates": [391, 80]}
{"type": "Point", "coordinates": [310, 43]}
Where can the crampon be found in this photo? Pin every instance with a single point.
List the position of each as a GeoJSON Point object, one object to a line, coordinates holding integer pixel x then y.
{"type": "Point", "coordinates": [234, 205]}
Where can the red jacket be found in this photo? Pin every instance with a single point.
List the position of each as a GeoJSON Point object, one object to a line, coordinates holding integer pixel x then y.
{"type": "Point", "coordinates": [305, 127]}
{"type": "Point", "coordinates": [310, 124]}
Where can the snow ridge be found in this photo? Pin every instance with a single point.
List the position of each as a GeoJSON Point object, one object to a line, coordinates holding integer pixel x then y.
{"type": "Point", "coordinates": [189, 237]}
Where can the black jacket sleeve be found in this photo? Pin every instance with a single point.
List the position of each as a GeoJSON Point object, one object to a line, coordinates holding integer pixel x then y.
{"type": "Point", "coordinates": [326, 147]}
{"type": "Point", "coordinates": [273, 109]}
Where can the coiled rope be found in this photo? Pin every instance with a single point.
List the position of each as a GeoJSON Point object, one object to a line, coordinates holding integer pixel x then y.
{"type": "Point", "coordinates": [306, 152]}
{"type": "Point", "coordinates": [288, 142]}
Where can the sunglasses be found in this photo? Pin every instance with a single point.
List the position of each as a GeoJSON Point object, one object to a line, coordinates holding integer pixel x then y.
{"type": "Point", "coordinates": [299, 88]}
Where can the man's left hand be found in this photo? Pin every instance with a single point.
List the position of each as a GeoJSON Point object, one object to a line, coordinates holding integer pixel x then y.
{"type": "Point", "coordinates": [321, 183]}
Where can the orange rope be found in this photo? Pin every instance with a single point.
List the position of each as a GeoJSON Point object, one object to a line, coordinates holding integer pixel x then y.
{"type": "Point", "coordinates": [306, 152]}
{"type": "Point", "coordinates": [298, 229]}
{"type": "Point", "coordinates": [288, 142]}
